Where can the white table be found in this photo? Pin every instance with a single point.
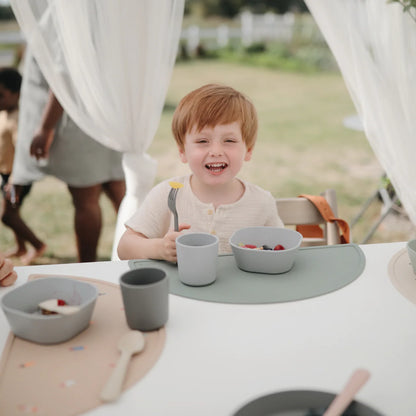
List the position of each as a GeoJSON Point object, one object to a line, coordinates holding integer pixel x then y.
{"type": "Point", "coordinates": [219, 356]}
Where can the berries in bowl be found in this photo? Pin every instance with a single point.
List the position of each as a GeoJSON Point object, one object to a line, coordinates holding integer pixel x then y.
{"type": "Point", "coordinates": [270, 250]}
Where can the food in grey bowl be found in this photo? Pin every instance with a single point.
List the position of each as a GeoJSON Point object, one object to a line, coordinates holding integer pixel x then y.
{"type": "Point", "coordinates": [256, 249]}
{"type": "Point", "coordinates": [21, 307]}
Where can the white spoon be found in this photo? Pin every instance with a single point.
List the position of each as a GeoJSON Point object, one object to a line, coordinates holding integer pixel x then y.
{"type": "Point", "coordinates": [346, 396]}
{"type": "Point", "coordinates": [51, 305]}
{"type": "Point", "coordinates": [130, 343]}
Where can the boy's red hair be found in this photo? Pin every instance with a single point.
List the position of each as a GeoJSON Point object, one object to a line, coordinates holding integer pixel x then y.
{"type": "Point", "coordinates": [211, 105]}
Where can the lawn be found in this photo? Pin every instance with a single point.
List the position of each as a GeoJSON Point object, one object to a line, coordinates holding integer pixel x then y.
{"type": "Point", "coordinates": [303, 147]}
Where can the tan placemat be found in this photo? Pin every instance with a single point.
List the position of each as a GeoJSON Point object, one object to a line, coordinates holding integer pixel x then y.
{"type": "Point", "coordinates": [402, 275]}
{"type": "Point", "coordinates": [66, 379]}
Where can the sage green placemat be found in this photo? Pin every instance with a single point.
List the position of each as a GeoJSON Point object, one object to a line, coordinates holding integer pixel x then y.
{"type": "Point", "coordinates": [317, 270]}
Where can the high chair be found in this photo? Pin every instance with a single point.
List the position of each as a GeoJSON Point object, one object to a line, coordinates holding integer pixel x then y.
{"type": "Point", "coordinates": [302, 214]}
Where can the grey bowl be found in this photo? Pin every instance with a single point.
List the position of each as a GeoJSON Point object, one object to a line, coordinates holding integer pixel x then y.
{"type": "Point", "coordinates": [265, 261]}
{"type": "Point", "coordinates": [21, 309]}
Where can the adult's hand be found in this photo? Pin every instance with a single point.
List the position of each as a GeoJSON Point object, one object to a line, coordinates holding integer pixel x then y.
{"type": "Point", "coordinates": [7, 273]}
{"type": "Point", "coordinates": [41, 143]}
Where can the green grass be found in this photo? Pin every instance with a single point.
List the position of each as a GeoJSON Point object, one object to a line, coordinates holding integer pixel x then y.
{"type": "Point", "coordinates": [302, 147]}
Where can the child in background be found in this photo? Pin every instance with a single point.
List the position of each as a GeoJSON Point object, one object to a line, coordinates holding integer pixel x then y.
{"type": "Point", "coordinates": [215, 128]}
{"type": "Point", "coordinates": [13, 196]}
{"type": "Point", "coordinates": [10, 82]}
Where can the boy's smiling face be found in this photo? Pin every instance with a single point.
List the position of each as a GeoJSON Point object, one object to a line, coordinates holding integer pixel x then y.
{"type": "Point", "coordinates": [215, 154]}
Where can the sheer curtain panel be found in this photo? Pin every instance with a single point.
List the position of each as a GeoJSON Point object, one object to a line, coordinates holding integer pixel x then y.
{"type": "Point", "coordinates": [109, 62]}
{"type": "Point", "coordinates": [374, 43]}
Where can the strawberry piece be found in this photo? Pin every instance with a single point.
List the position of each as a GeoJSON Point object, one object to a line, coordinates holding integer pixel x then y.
{"type": "Point", "coordinates": [278, 247]}
{"type": "Point", "coordinates": [250, 246]}
{"type": "Point", "coordinates": [61, 302]}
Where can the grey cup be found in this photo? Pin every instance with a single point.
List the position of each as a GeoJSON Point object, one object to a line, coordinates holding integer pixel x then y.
{"type": "Point", "coordinates": [146, 298]}
{"type": "Point", "coordinates": [411, 251]}
{"type": "Point", "coordinates": [197, 258]}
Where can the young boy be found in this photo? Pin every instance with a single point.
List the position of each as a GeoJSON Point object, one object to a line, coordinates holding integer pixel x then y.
{"type": "Point", "coordinates": [215, 128]}
{"type": "Point", "coordinates": [13, 196]}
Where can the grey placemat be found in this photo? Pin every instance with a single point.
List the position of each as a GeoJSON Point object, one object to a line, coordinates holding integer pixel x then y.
{"type": "Point", "coordinates": [317, 270]}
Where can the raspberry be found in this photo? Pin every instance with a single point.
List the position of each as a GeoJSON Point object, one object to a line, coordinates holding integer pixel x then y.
{"type": "Point", "coordinates": [61, 302]}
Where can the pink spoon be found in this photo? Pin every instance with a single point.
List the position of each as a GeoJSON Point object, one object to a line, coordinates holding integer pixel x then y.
{"type": "Point", "coordinates": [346, 396]}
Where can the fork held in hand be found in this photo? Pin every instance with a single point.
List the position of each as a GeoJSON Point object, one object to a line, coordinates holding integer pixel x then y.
{"type": "Point", "coordinates": [172, 206]}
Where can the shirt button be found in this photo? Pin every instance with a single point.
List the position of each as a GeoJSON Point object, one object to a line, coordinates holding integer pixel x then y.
{"type": "Point", "coordinates": [210, 212]}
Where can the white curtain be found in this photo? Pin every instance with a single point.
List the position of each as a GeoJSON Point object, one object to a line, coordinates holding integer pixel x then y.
{"type": "Point", "coordinates": [374, 43]}
{"type": "Point", "coordinates": [109, 63]}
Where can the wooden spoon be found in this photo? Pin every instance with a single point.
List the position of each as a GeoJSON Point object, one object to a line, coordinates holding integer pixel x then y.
{"type": "Point", "coordinates": [130, 343]}
{"type": "Point", "coordinates": [346, 396]}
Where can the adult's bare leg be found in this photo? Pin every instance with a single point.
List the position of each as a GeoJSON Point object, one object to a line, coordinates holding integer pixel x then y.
{"type": "Point", "coordinates": [115, 190]}
{"type": "Point", "coordinates": [87, 221]}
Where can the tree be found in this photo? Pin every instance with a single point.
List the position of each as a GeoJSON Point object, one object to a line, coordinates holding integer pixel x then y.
{"type": "Point", "coordinates": [409, 6]}
{"type": "Point", "coordinates": [6, 13]}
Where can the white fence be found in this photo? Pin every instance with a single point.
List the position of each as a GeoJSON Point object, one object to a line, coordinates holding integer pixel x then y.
{"type": "Point", "coordinates": [253, 28]}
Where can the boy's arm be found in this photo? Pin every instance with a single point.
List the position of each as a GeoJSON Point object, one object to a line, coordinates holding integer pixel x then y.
{"type": "Point", "coordinates": [134, 245]}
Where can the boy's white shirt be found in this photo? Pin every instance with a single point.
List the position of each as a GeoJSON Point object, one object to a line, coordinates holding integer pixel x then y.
{"type": "Point", "coordinates": [257, 207]}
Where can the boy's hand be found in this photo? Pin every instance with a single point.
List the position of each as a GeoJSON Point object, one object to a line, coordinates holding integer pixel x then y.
{"type": "Point", "coordinates": [169, 244]}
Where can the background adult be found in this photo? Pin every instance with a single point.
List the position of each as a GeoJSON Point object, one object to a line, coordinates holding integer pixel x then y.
{"type": "Point", "coordinates": [66, 152]}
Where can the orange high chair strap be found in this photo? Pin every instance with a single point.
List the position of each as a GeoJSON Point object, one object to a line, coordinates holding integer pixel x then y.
{"type": "Point", "coordinates": [325, 210]}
